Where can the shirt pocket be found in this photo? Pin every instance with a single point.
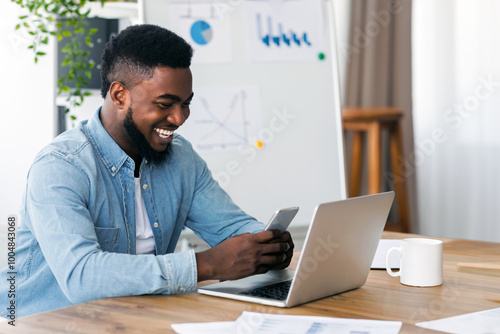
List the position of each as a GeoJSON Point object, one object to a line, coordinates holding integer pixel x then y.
{"type": "Point", "coordinates": [107, 237]}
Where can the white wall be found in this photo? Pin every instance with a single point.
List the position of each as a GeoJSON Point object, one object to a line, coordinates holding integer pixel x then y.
{"type": "Point", "coordinates": [27, 108]}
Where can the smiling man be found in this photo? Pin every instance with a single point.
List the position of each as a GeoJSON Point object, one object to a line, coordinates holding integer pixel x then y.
{"type": "Point", "coordinates": [105, 202]}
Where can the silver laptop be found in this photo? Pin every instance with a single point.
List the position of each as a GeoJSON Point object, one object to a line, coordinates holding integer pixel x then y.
{"type": "Point", "coordinates": [337, 255]}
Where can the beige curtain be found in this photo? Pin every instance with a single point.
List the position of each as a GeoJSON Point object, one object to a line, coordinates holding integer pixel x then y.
{"type": "Point", "coordinates": [379, 69]}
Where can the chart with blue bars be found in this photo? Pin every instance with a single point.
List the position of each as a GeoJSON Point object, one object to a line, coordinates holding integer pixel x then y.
{"type": "Point", "coordinates": [285, 31]}
{"type": "Point", "coordinates": [279, 36]}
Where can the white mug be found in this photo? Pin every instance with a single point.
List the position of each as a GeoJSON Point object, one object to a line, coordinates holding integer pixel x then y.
{"type": "Point", "coordinates": [421, 262]}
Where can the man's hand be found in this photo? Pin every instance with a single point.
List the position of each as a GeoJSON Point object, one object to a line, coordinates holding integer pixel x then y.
{"type": "Point", "coordinates": [285, 237]}
{"type": "Point", "coordinates": [244, 255]}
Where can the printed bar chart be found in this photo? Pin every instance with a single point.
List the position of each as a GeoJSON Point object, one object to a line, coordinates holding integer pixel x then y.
{"type": "Point", "coordinates": [284, 31]}
{"type": "Point", "coordinates": [281, 38]}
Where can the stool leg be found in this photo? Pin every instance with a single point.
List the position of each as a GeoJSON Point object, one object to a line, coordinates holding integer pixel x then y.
{"type": "Point", "coordinates": [374, 165]}
{"type": "Point", "coordinates": [396, 147]}
{"type": "Point", "coordinates": [356, 163]}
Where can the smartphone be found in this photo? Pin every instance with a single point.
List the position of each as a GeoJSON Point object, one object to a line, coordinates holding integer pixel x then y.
{"type": "Point", "coordinates": [282, 218]}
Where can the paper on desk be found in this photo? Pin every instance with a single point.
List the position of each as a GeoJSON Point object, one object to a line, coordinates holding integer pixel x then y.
{"type": "Point", "coordinates": [220, 327]}
{"type": "Point", "coordinates": [262, 323]}
{"type": "Point", "coordinates": [472, 323]}
{"type": "Point", "coordinates": [383, 246]}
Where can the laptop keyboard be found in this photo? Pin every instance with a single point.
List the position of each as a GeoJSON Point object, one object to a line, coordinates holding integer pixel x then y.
{"type": "Point", "coordinates": [278, 291]}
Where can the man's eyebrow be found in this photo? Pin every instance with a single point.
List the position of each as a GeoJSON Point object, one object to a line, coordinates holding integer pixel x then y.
{"type": "Point", "coordinates": [174, 97]}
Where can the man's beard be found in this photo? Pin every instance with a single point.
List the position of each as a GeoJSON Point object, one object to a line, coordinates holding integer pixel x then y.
{"type": "Point", "coordinates": [141, 144]}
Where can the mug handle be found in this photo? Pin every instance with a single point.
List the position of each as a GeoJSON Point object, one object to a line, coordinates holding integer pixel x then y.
{"type": "Point", "coordinates": [387, 267]}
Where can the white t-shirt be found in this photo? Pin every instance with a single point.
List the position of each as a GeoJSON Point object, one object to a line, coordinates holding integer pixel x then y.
{"type": "Point", "coordinates": [145, 241]}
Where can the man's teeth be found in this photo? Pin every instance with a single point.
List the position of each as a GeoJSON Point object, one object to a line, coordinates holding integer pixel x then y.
{"type": "Point", "coordinates": [164, 133]}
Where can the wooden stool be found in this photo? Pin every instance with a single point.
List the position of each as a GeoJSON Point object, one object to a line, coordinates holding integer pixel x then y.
{"type": "Point", "coordinates": [371, 121]}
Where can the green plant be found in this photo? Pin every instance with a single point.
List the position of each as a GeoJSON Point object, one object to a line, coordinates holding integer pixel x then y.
{"type": "Point", "coordinates": [65, 20]}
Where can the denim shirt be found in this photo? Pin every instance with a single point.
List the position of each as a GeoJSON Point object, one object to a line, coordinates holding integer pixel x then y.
{"type": "Point", "coordinates": [76, 242]}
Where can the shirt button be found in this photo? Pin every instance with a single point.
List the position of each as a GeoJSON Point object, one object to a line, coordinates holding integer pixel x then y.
{"type": "Point", "coordinates": [182, 288]}
{"type": "Point", "coordinates": [144, 186]}
{"type": "Point", "coordinates": [113, 168]}
{"type": "Point", "coordinates": [155, 224]}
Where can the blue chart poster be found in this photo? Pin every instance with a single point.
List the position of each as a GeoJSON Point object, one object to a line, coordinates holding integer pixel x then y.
{"type": "Point", "coordinates": [207, 32]}
{"type": "Point", "coordinates": [284, 30]}
{"type": "Point", "coordinates": [280, 37]}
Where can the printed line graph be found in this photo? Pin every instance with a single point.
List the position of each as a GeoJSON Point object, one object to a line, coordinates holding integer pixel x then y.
{"type": "Point", "coordinates": [231, 130]}
{"type": "Point", "coordinates": [223, 119]}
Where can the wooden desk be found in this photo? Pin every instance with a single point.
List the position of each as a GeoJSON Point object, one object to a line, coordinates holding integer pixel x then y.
{"type": "Point", "coordinates": [382, 297]}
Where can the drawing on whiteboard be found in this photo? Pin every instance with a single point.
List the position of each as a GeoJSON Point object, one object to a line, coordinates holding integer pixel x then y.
{"type": "Point", "coordinates": [284, 30]}
{"type": "Point", "coordinates": [223, 118]}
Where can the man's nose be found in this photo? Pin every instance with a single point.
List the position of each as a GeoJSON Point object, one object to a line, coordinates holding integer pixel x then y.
{"type": "Point", "coordinates": [178, 116]}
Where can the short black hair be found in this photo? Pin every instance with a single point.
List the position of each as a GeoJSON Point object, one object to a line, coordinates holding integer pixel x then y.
{"type": "Point", "coordinates": [132, 56]}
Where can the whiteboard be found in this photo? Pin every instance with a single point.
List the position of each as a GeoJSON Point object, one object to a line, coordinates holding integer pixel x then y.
{"type": "Point", "coordinates": [297, 113]}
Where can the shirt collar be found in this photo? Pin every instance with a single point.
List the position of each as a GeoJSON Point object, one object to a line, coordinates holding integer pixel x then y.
{"type": "Point", "coordinates": [107, 149]}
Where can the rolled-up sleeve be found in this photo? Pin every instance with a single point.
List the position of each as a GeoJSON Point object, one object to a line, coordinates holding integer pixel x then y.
{"type": "Point", "coordinates": [180, 270]}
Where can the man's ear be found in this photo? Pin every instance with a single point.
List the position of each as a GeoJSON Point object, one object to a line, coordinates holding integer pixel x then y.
{"type": "Point", "coordinates": [119, 94]}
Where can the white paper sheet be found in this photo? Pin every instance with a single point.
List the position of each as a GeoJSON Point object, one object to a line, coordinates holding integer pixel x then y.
{"type": "Point", "coordinates": [472, 323]}
{"type": "Point", "coordinates": [220, 327]}
{"type": "Point", "coordinates": [262, 323]}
